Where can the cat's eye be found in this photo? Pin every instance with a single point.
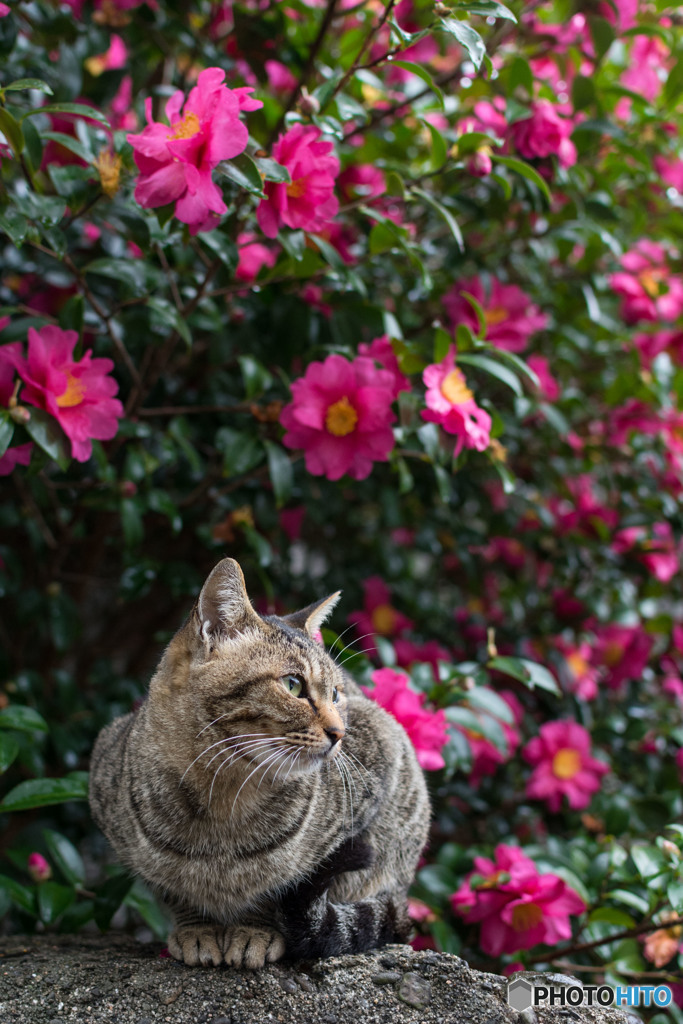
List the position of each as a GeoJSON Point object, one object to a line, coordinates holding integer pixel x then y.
{"type": "Point", "coordinates": [294, 684]}
{"type": "Point", "coordinates": [335, 696]}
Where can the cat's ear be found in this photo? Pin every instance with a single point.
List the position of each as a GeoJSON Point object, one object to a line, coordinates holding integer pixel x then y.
{"type": "Point", "coordinates": [311, 618]}
{"type": "Point", "coordinates": [223, 607]}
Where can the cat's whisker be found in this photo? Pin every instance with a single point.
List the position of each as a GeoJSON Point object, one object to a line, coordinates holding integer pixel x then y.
{"type": "Point", "coordinates": [216, 744]}
{"type": "Point", "coordinates": [245, 747]}
{"type": "Point", "coordinates": [263, 763]}
{"type": "Point", "coordinates": [298, 754]}
{"type": "Point", "coordinates": [357, 766]}
{"type": "Point", "coordinates": [212, 723]}
{"type": "Point", "coordinates": [285, 755]}
{"type": "Point", "coordinates": [290, 756]}
{"type": "Point", "coordinates": [356, 640]}
{"type": "Point", "coordinates": [343, 633]}
{"type": "Point", "coordinates": [232, 758]}
{"type": "Point", "coordinates": [339, 771]}
{"type": "Point", "coordinates": [347, 766]}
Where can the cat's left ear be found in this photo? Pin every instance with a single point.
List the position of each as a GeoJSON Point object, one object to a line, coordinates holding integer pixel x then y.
{"type": "Point", "coordinates": [311, 618]}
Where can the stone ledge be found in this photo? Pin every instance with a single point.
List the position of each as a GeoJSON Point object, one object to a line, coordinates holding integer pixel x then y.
{"type": "Point", "coordinates": [64, 979]}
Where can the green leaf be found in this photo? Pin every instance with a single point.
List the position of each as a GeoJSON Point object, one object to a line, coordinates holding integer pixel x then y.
{"type": "Point", "coordinates": [14, 224]}
{"type": "Point", "coordinates": [583, 92]}
{"type": "Point", "coordinates": [110, 896]}
{"type": "Point", "coordinates": [42, 792]}
{"type": "Point", "coordinates": [22, 718]}
{"type": "Point", "coordinates": [6, 433]}
{"type": "Point", "coordinates": [482, 725]}
{"type": "Point", "coordinates": [49, 436]}
{"type": "Point", "coordinates": [169, 316]}
{"type": "Point", "coordinates": [142, 900]}
{"type": "Point", "coordinates": [128, 272]}
{"type": "Point", "coordinates": [53, 899]}
{"type": "Point", "coordinates": [417, 69]}
{"type": "Point", "coordinates": [9, 748]}
{"type": "Point", "coordinates": [66, 856]}
{"type": "Point", "coordinates": [674, 83]}
{"type": "Point", "coordinates": [442, 344]}
{"type": "Point", "coordinates": [19, 894]}
{"type": "Point", "coordinates": [674, 895]}
{"type": "Point", "coordinates": [132, 523]}
{"type": "Point", "coordinates": [271, 170]}
{"type": "Point", "coordinates": [74, 145]}
{"type": "Point", "coordinates": [255, 376]}
{"type": "Point", "coordinates": [439, 147]}
{"type": "Point", "coordinates": [71, 180]}
{"type": "Point", "coordinates": [520, 75]}
{"type": "Point", "coordinates": [11, 129]}
{"type": "Point", "coordinates": [488, 700]}
{"type": "Point", "coordinates": [445, 213]}
{"type": "Point", "coordinates": [71, 314]}
{"type": "Point", "coordinates": [602, 34]}
{"type": "Point", "coordinates": [476, 306]}
{"type": "Point", "coordinates": [244, 172]}
{"type": "Point", "coordinates": [494, 368]}
{"type": "Point", "coordinates": [611, 915]}
{"type": "Point", "coordinates": [79, 109]}
{"type": "Point", "coordinates": [328, 252]}
{"type": "Point", "coordinates": [28, 83]}
{"type": "Point", "coordinates": [281, 472]}
{"type": "Point", "coordinates": [526, 171]}
{"type": "Point", "coordinates": [47, 210]}
{"type": "Point", "coordinates": [649, 861]}
{"type": "Point", "coordinates": [467, 37]}
{"type": "Point", "coordinates": [76, 916]}
{"type": "Point", "coordinates": [241, 451]}
{"type": "Point", "coordinates": [487, 9]}
{"type": "Point", "coordinates": [528, 672]}
{"type": "Point", "coordinates": [221, 246]}
{"type": "Point", "coordinates": [33, 148]}
{"type": "Point", "coordinates": [629, 899]}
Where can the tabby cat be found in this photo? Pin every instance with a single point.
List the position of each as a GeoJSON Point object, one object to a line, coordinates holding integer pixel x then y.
{"type": "Point", "coordinates": [257, 791]}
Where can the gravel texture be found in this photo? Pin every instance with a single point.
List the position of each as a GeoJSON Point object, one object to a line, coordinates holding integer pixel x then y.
{"type": "Point", "coordinates": [114, 980]}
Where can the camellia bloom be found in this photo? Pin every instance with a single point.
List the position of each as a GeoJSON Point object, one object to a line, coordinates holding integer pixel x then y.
{"type": "Point", "coordinates": [427, 729]}
{"type": "Point", "coordinates": [563, 766]}
{"type": "Point", "coordinates": [518, 908]}
{"type": "Point", "coordinates": [114, 58]}
{"type": "Point", "coordinates": [511, 317]}
{"type": "Point", "coordinates": [486, 757]}
{"type": "Point", "coordinates": [308, 201]}
{"type": "Point", "coordinates": [450, 403]}
{"type": "Point", "coordinates": [253, 255]}
{"type": "Point", "coordinates": [378, 616]}
{"type": "Point", "coordinates": [582, 674]}
{"type": "Point", "coordinates": [78, 393]}
{"type": "Point", "coordinates": [648, 289]}
{"type": "Point", "coordinates": [544, 134]}
{"type": "Point", "coordinates": [176, 162]}
{"type": "Point", "coordinates": [622, 652]}
{"type": "Point", "coordinates": [380, 349]}
{"type": "Point", "coordinates": [548, 388]}
{"type": "Point", "coordinates": [341, 417]}
{"type": "Point", "coordinates": [659, 553]}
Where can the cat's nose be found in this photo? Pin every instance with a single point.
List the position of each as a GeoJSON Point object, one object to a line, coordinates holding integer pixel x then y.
{"type": "Point", "coordinates": [334, 733]}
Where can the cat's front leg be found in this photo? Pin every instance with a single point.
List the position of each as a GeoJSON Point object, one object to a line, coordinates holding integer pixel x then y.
{"type": "Point", "coordinates": [197, 942]}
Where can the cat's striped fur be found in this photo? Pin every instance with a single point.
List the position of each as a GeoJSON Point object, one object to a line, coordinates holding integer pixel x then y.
{"type": "Point", "coordinates": [269, 823]}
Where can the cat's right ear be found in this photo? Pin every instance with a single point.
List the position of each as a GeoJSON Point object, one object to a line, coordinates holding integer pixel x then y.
{"type": "Point", "coordinates": [223, 608]}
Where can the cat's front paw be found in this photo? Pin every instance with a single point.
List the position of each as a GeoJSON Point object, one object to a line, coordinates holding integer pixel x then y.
{"type": "Point", "coordinates": [197, 945]}
{"type": "Point", "coordinates": [246, 946]}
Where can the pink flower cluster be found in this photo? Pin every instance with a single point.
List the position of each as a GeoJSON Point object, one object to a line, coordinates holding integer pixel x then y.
{"type": "Point", "coordinates": [340, 416]}
{"type": "Point", "coordinates": [516, 906]}
{"type": "Point", "coordinates": [176, 162]}
{"type": "Point", "coordinates": [427, 729]}
{"type": "Point", "coordinates": [648, 289]}
{"type": "Point", "coordinates": [378, 616]}
{"type": "Point", "coordinates": [563, 766]}
{"type": "Point", "coordinates": [510, 315]}
{"type": "Point", "coordinates": [307, 201]}
{"type": "Point", "coordinates": [544, 133]}
{"type": "Point", "coordinates": [79, 393]}
{"type": "Point", "coordinates": [451, 404]}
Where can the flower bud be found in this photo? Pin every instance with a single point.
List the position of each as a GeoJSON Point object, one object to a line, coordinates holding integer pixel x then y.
{"type": "Point", "coordinates": [38, 867]}
{"type": "Point", "coordinates": [20, 414]}
{"type": "Point", "coordinates": [108, 166]}
{"type": "Point", "coordinates": [442, 10]}
{"type": "Point", "coordinates": [670, 849]}
{"type": "Point", "coordinates": [308, 104]}
{"type": "Point", "coordinates": [128, 489]}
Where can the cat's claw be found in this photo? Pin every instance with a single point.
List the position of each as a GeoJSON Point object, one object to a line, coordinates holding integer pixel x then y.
{"type": "Point", "coordinates": [197, 946]}
{"type": "Point", "coordinates": [250, 947]}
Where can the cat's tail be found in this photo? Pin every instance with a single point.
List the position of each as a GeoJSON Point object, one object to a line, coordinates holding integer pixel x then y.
{"type": "Point", "coordinates": [315, 926]}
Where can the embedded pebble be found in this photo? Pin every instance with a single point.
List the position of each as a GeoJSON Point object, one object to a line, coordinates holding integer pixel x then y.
{"type": "Point", "coordinates": [386, 977]}
{"type": "Point", "coordinates": [528, 1016]}
{"type": "Point", "coordinates": [288, 984]}
{"type": "Point", "coordinates": [414, 990]}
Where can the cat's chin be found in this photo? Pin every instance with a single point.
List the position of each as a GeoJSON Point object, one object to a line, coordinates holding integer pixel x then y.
{"type": "Point", "coordinates": [314, 761]}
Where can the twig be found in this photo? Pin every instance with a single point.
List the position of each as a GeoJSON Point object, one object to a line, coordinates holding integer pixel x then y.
{"type": "Point", "coordinates": [170, 277]}
{"type": "Point", "coordinates": [581, 947]}
{"type": "Point", "coordinates": [367, 42]}
{"type": "Point", "coordinates": [380, 115]}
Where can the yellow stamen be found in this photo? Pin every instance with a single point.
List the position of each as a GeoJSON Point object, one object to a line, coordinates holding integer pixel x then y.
{"type": "Point", "coordinates": [495, 315]}
{"type": "Point", "coordinates": [577, 664]}
{"type": "Point", "coordinates": [341, 418]}
{"type": "Point", "coordinates": [185, 128]}
{"type": "Point", "coordinates": [96, 65]}
{"type": "Point", "coordinates": [108, 167]}
{"type": "Point", "coordinates": [454, 388]}
{"type": "Point", "coordinates": [526, 916]}
{"type": "Point", "coordinates": [383, 619]}
{"type": "Point", "coordinates": [566, 763]}
{"type": "Point", "coordinates": [296, 188]}
{"type": "Point", "coordinates": [74, 393]}
{"type": "Point", "coordinates": [650, 282]}
{"type": "Point", "coordinates": [612, 653]}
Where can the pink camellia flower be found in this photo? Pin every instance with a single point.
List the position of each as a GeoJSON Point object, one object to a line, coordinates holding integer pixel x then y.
{"type": "Point", "coordinates": [518, 908]}
{"type": "Point", "coordinates": [544, 134]}
{"type": "Point", "coordinates": [115, 57]}
{"type": "Point", "coordinates": [647, 288]}
{"type": "Point", "coordinates": [486, 757]}
{"type": "Point", "coordinates": [78, 393]}
{"type": "Point", "coordinates": [582, 674]}
{"type": "Point", "coordinates": [253, 256]}
{"type": "Point", "coordinates": [378, 617]}
{"type": "Point", "coordinates": [511, 317]}
{"type": "Point", "coordinates": [661, 946]}
{"type": "Point", "coordinates": [622, 652]}
{"type": "Point", "coordinates": [341, 417]}
{"type": "Point", "coordinates": [659, 551]}
{"type": "Point", "coordinates": [670, 170]}
{"type": "Point", "coordinates": [582, 510]}
{"type": "Point", "coordinates": [563, 766]}
{"type": "Point", "coordinates": [649, 346]}
{"type": "Point", "coordinates": [362, 181]}
{"type": "Point", "coordinates": [280, 78]}
{"type": "Point", "coordinates": [122, 117]}
{"type": "Point", "coordinates": [176, 163]}
{"type": "Point", "coordinates": [20, 455]}
{"type": "Point", "coordinates": [548, 387]}
{"type": "Point", "coordinates": [408, 653]}
{"type": "Point", "coordinates": [427, 729]}
{"type": "Point", "coordinates": [646, 70]}
{"type": "Point", "coordinates": [308, 201]}
{"type": "Point", "coordinates": [4, 10]}
{"type": "Point", "coordinates": [380, 349]}
{"type": "Point", "coordinates": [679, 762]}
{"type": "Point", "coordinates": [450, 403]}
{"type": "Point", "coordinates": [38, 867]}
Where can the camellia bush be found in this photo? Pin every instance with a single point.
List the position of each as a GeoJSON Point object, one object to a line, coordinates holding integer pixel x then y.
{"type": "Point", "coordinates": [373, 296]}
